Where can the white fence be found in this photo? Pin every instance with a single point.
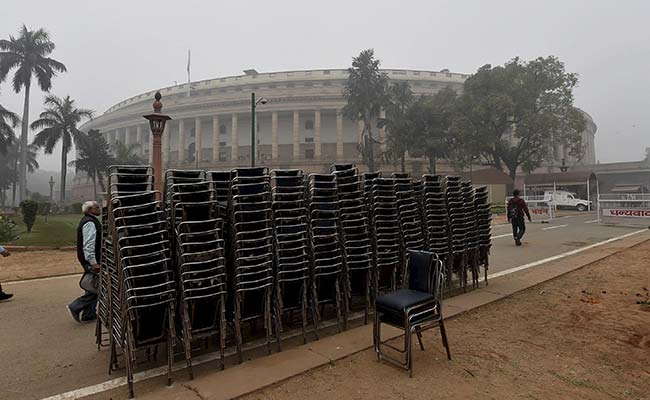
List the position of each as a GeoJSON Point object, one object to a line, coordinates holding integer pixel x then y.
{"type": "Point", "coordinates": [624, 209]}
{"type": "Point", "coordinates": [540, 210]}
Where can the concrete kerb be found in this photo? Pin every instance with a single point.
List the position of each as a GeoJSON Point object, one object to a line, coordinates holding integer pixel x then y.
{"type": "Point", "coordinates": [38, 248]}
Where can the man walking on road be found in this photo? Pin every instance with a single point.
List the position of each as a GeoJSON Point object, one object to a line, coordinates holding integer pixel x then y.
{"type": "Point", "coordinates": [4, 296]}
{"type": "Point", "coordinates": [89, 242]}
{"type": "Point", "coordinates": [516, 210]}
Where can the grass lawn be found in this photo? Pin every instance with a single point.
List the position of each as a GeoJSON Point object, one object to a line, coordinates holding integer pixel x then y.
{"type": "Point", "coordinates": [60, 230]}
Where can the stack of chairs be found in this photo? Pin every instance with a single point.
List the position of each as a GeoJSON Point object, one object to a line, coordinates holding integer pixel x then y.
{"type": "Point", "coordinates": [291, 244]}
{"type": "Point", "coordinates": [472, 232]}
{"type": "Point", "coordinates": [409, 216]}
{"type": "Point", "coordinates": [327, 272]}
{"type": "Point", "coordinates": [457, 228]}
{"type": "Point", "coordinates": [355, 234]}
{"type": "Point", "coordinates": [142, 290]}
{"type": "Point", "coordinates": [107, 264]}
{"type": "Point", "coordinates": [221, 182]}
{"type": "Point", "coordinates": [251, 233]}
{"type": "Point", "coordinates": [200, 263]}
{"type": "Point", "coordinates": [436, 221]}
{"type": "Point", "coordinates": [484, 224]}
{"type": "Point", "coordinates": [386, 233]}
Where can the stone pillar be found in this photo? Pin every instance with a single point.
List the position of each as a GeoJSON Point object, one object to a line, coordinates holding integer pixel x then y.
{"type": "Point", "coordinates": [166, 144]}
{"type": "Point", "coordinates": [339, 135]}
{"type": "Point", "coordinates": [382, 132]}
{"type": "Point", "coordinates": [360, 130]}
{"type": "Point", "coordinates": [215, 138]}
{"type": "Point", "coordinates": [182, 149]}
{"type": "Point", "coordinates": [296, 135]}
{"type": "Point", "coordinates": [234, 140]}
{"type": "Point", "coordinates": [197, 140]}
{"type": "Point", "coordinates": [274, 135]}
{"type": "Point", "coordinates": [122, 135]}
{"type": "Point", "coordinates": [317, 145]}
{"type": "Point", "coordinates": [128, 136]}
{"type": "Point", "coordinates": [139, 139]}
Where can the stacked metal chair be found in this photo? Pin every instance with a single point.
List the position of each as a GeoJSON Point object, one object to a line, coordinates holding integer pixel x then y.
{"type": "Point", "coordinates": [327, 273]}
{"type": "Point", "coordinates": [142, 290]}
{"type": "Point", "coordinates": [457, 227]}
{"type": "Point", "coordinates": [103, 298]}
{"type": "Point", "coordinates": [200, 261]}
{"type": "Point", "coordinates": [385, 228]}
{"type": "Point", "coordinates": [409, 216]}
{"type": "Point", "coordinates": [291, 246]}
{"type": "Point", "coordinates": [484, 224]}
{"type": "Point", "coordinates": [251, 233]}
{"type": "Point", "coordinates": [355, 235]}
{"type": "Point", "coordinates": [436, 221]}
{"type": "Point", "coordinates": [472, 231]}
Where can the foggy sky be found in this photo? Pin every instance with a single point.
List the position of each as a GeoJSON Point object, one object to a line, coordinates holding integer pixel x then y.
{"type": "Point", "coordinates": [116, 49]}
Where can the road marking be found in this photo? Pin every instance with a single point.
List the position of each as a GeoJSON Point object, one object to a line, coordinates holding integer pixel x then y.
{"type": "Point", "coordinates": [160, 371]}
{"type": "Point", "coordinates": [592, 221]}
{"type": "Point", "coordinates": [563, 255]}
{"type": "Point", "coordinates": [500, 236]}
{"type": "Point", "coordinates": [554, 227]}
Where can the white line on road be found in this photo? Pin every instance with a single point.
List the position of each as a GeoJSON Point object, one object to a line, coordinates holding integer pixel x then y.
{"type": "Point", "coordinates": [563, 255]}
{"type": "Point", "coordinates": [592, 221]}
{"type": "Point", "coordinates": [500, 236]}
{"type": "Point", "coordinates": [140, 376]}
{"type": "Point", "coordinates": [554, 227]}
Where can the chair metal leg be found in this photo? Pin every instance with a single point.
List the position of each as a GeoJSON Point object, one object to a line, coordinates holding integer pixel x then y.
{"type": "Point", "coordinates": [408, 337]}
{"type": "Point", "coordinates": [170, 345]}
{"type": "Point", "coordinates": [303, 311]}
{"type": "Point", "coordinates": [267, 319]}
{"type": "Point", "coordinates": [314, 307]}
{"type": "Point", "coordinates": [238, 338]}
{"type": "Point", "coordinates": [419, 335]}
{"type": "Point", "coordinates": [222, 331]}
{"type": "Point", "coordinates": [340, 305]}
{"type": "Point", "coordinates": [278, 315]}
{"type": "Point", "coordinates": [445, 342]}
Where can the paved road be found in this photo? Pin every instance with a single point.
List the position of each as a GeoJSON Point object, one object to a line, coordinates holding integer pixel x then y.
{"type": "Point", "coordinates": [44, 353]}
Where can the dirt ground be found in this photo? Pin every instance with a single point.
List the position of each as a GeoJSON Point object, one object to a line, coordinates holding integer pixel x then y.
{"type": "Point", "coordinates": [581, 336]}
{"type": "Point", "coordinates": [36, 264]}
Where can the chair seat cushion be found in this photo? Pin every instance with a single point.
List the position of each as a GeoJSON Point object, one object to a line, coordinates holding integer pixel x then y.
{"type": "Point", "coordinates": [396, 302]}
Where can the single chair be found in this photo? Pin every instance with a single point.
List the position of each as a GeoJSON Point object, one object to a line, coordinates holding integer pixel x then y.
{"type": "Point", "coordinates": [415, 308]}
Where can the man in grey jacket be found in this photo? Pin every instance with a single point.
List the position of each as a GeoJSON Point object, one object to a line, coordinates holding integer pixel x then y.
{"type": "Point", "coordinates": [89, 242]}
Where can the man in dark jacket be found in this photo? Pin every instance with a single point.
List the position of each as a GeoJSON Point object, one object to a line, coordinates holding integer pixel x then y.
{"type": "Point", "coordinates": [89, 242]}
{"type": "Point", "coordinates": [516, 210]}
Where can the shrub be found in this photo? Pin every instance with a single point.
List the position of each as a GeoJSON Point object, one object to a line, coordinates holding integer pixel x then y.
{"type": "Point", "coordinates": [74, 208]}
{"type": "Point", "coordinates": [44, 208]}
{"type": "Point", "coordinates": [7, 230]}
{"type": "Point", "coordinates": [29, 209]}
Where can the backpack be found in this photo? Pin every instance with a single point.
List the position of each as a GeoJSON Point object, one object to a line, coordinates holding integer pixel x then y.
{"type": "Point", "coordinates": [515, 210]}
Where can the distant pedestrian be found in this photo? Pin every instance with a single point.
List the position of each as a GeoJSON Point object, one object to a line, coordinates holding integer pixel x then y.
{"type": "Point", "coordinates": [516, 210]}
{"type": "Point", "coordinates": [4, 296]}
{"type": "Point", "coordinates": [89, 241]}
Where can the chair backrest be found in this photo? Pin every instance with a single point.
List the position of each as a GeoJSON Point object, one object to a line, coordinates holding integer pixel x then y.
{"type": "Point", "coordinates": [424, 272]}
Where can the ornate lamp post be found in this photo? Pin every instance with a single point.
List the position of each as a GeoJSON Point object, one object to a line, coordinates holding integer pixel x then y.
{"type": "Point", "coordinates": [49, 210]}
{"type": "Point", "coordinates": [157, 122]}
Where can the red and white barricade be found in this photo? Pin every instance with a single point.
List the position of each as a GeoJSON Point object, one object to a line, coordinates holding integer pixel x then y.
{"type": "Point", "coordinates": [624, 209]}
{"type": "Point", "coordinates": [540, 210]}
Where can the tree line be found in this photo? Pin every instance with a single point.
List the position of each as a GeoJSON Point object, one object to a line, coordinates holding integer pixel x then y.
{"type": "Point", "coordinates": [28, 56]}
{"type": "Point", "coordinates": [509, 117]}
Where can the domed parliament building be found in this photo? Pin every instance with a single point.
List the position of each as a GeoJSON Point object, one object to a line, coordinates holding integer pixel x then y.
{"type": "Point", "coordinates": [299, 126]}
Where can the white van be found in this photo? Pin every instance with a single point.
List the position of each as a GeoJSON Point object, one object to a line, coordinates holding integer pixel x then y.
{"type": "Point", "coordinates": [564, 199]}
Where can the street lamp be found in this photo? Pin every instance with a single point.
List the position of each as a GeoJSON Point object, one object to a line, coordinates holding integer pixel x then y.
{"type": "Point", "coordinates": [49, 210]}
{"type": "Point", "coordinates": [157, 122]}
{"type": "Point", "coordinates": [254, 104]}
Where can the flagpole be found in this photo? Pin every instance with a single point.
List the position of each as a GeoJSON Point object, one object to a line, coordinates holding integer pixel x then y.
{"type": "Point", "coordinates": [189, 81]}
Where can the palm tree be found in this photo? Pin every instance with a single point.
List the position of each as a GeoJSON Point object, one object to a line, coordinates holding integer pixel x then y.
{"type": "Point", "coordinates": [8, 121]}
{"type": "Point", "coordinates": [125, 154]}
{"type": "Point", "coordinates": [13, 155]}
{"type": "Point", "coordinates": [28, 54]}
{"type": "Point", "coordinates": [59, 123]}
{"type": "Point", "coordinates": [365, 92]}
{"type": "Point", "coordinates": [94, 158]}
